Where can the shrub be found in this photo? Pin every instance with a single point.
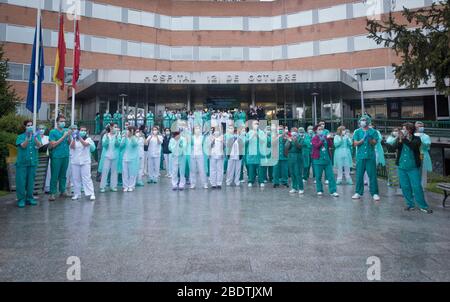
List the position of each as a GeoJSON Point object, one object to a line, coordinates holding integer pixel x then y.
{"type": "Point", "coordinates": [5, 138]}
{"type": "Point", "coordinates": [12, 123]}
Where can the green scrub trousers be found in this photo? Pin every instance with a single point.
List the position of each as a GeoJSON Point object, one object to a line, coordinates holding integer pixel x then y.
{"type": "Point", "coordinates": [59, 170]}
{"type": "Point", "coordinates": [25, 182]}
{"type": "Point", "coordinates": [319, 169]}
{"type": "Point", "coordinates": [411, 185]}
{"type": "Point", "coordinates": [280, 173]}
{"type": "Point", "coordinates": [294, 170]}
{"type": "Point", "coordinates": [369, 165]}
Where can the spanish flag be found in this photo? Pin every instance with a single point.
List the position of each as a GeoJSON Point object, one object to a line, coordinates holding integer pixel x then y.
{"type": "Point", "coordinates": [60, 60]}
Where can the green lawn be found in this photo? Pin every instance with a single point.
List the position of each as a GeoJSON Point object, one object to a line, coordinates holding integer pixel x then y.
{"type": "Point", "coordinates": [3, 193]}
{"type": "Point", "coordinates": [433, 180]}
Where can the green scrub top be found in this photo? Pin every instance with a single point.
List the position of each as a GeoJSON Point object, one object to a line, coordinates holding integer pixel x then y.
{"type": "Point", "coordinates": [62, 150]}
{"type": "Point", "coordinates": [26, 156]}
{"type": "Point", "coordinates": [366, 150]}
{"type": "Point", "coordinates": [407, 161]}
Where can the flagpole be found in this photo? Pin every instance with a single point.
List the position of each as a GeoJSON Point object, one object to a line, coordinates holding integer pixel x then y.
{"type": "Point", "coordinates": [73, 68]}
{"type": "Point", "coordinates": [56, 101]}
{"type": "Point", "coordinates": [36, 64]}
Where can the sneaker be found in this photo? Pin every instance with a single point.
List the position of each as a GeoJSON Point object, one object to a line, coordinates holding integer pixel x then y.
{"type": "Point", "coordinates": [75, 197]}
{"type": "Point", "coordinates": [326, 182]}
{"type": "Point", "coordinates": [314, 181]}
{"type": "Point", "coordinates": [356, 196]}
{"type": "Point", "coordinates": [140, 184]}
{"type": "Point", "coordinates": [409, 208]}
{"type": "Point", "coordinates": [52, 197]}
{"type": "Point", "coordinates": [66, 194]}
{"type": "Point", "coordinates": [250, 185]}
{"type": "Point", "coordinates": [125, 190]}
{"type": "Point", "coordinates": [102, 190]}
{"type": "Point", "coordinates": [293, 191]}
{"type": "Point", "coordinates": [114, 190]}
{"type": "Point", "coordinates": [213, 187]}
{"type": "Point", "coordinates": [192, 187]}
{"type": "Point", "coordinates": [174, 188]}
{"type": "Point", "coordinates": [92, 198]}
{"type": "Point", "coordinates": [339, 182]}
{"type": "Point", "coordinates": [376, 197]}
{"type": "Point", "coordinates": [181, 188]}
{"type": "Point", "coordinates": [130, 189]}
{"type": "Point", "coordinates": [335, 194]}
{"type": "Point", "coordinates": [304, 180]}
{"type": "Point", "coordinates": [32, 202]}
{"type": "Point", "coordinates": [366, 183]}
{"type": "Point", "coordinates": [219, 187]}
{"type": "Point", "coordinates": [262, 185]}
{"type": "Point", "coordinates": [205, 187]}
{"type": "Point", "coordinates": [301, 192]}
{"type": "Point", "coordinates": [21, 203]}
{"type": "Point", "coordinates": [428, 211]}
{"type": "Point", "coordinates": [319, 193]}
{"type": "Point", "coordinates": [286, 185]}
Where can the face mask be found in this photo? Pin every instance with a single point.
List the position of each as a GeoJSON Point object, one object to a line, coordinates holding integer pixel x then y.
{"type": "Point", "coordinates": [405, 132]}
{"type": "Point", "coordinates": [29, 129]}
{"type": "Point", "coordinates": [421, 129]}
{"type": "Point", "coordinates": [363, 124]}
{"type": "Point", "coordinates": [83, 133]}
{"type": "Point", "coordinates": [167, 133]}
{"type": "Point", "coordinates": [62, 124]}
{"type": "Point", "coordinates": [293, 133]}
{"type": "Point", "coordinates": [255, 127]}
{"type": "Point", "coordinates": [310, 131]}
{"type": "Point", "coordinates": [302, 133]}
{"type": "Point", "coordinates": [280, 131]}
{"type": "Point", "coordinates": [395, 133]}
{"type": "Point", "coordinates": [155, 132]}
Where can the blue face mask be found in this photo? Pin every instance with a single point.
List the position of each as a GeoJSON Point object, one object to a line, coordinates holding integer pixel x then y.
{"type": "Point", "coordinates": [29, 129]}
{"type": "Point", "coordinates": [421, 129]}
{"type": "Point", "coordinates": [62, 124]}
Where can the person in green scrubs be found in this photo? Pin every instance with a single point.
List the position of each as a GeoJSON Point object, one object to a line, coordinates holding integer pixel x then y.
{"type": "Point", "coordinates": [365, 140]}
{"type": "Point", "coordinates": [293, 146]}
{"type": "Point", "coordinates": [254, 139]}
{"type": "Point", "coordinates": [321, 160]}
{"type": "Point", "coordinates": [306, 153]}
{"type": "Point", "coordinates": [409, 168]}
{"type": "Point", "coordinates": [280, 171]}
{"type": "Point", "coordinates": [106, 119]}
{"type": "Point", "coordinates": [266, 164]}
{"type": "Point", "coordinates": [27, 144]}
{"type": "Point", "coordinates": [97, 124]}
{"type": "Point", "coordinates": [59, 145]}
{"type": "Point", "coordinates": [150, 119]}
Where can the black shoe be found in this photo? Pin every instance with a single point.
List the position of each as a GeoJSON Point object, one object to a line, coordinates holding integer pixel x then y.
{"type": "Point", "coordinates": [286, 185]}
{"type": "Point", "coordinates": [428, 211]}
{"type": "Point", "coordinates": [276, 186]}
{"type": "Point", "coordinates": [219, 187]}
{"type": "Point", "coordinates": [409, 208]}
{"type": "Point", "coordinates": [213, 187]}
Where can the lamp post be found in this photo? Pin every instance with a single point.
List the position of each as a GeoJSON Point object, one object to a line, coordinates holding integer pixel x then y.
{"type": "Point", "coordinates": [123, 96]}
{"type": "Point", "coordinates": [315, 94]}
{"type": "Point", "coordinates": [360, 75]}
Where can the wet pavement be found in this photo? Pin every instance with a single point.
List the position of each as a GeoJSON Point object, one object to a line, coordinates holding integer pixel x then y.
{"type": "Point", "coordinates": [235, 234]}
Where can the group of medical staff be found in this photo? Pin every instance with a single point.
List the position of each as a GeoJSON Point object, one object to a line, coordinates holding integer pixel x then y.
{"type": "Point", "coordinates": [209, 157]}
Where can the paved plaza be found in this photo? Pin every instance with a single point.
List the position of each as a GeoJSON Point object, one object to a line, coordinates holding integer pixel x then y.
{"type": "Point", "coordinates": [235, 234]}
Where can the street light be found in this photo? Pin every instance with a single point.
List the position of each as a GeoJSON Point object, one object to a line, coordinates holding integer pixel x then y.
{"type": "Point", "coordinates": [361, 74]}
{"type": "Point", "coordinates": [123, 96]}
{"type": "Point", "coordinates": [315, 94]}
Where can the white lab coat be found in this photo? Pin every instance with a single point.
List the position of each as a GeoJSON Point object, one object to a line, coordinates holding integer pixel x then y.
{"type": "Point", "coordinates": [216, 160]}
{"type": "Point", "coordinates": [80, 163]}
{"type": "Point", "coordinates": [154, 156]}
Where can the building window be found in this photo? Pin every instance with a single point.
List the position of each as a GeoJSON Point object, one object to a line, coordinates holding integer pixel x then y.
{"type": "Point", "coordinates": [15, 71]}
{"type": "Point", "coordinates": [333, 46]}
{"type": "Point", "coordinates": [134, 17]}
{"type": "Point", "coordinates": [182, 23]}
{"type": "Point", "coordinates": [147, 50]}
{"type": "Point", "coordinates": [299, 19]}
{"type": "Point", "coordinates": [114, 46]}
{"type": "Point", "coordinates": [19, 34]}
{"type": "Point", "coordinates": [300, 50]}
{"type": "Point", "coordinates": [114, 13]}
{"type": "Point", "coordinates": [412, 109]}
{"type": "Point", "coordinates": [148, 19]}
{"type": "Point", "coordinates": [364, 43]}
{"type": "Point", "coordinates": [333, 13]}
{"type": "Point", "coordinates": [99, 10]}
{"type": "Point", "coordinates": [133, 49]}
{"type": "Point", "coordinates": [377, 74]}
{"type": "Point", "coordinates": [98, 44]}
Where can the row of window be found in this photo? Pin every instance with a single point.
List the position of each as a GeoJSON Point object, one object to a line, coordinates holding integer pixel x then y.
{"type": "Point", "coordinates": [23, 34]}
{"type": "Point", "coordinates": [21, 72]}
{"type": "Point", "coordinates": [98, 10]}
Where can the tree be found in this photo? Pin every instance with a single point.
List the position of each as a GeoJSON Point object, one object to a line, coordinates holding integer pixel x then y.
{"type": "Point", "coordinates": [8, 97]}
{"type": "Point", "coordinates": [423, 43]}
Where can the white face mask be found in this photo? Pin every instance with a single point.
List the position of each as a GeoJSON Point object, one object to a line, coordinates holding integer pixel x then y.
{"type": "Point", "coordinates": [255, 127]}
{"type": "Point", "coordinates": [405, 132]}
{"type": "Point", "coordinates": [363, 124]}
{"type": "Point", "coordinates": [197, 131]}
{"type": "Point", "coordinates": [155, 132]}
{"type": "Point", "coordinates": [395, 133]}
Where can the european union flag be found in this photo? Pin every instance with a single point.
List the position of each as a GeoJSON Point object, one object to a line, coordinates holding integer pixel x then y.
{"type": "Point", "coordinates": [31, 83]}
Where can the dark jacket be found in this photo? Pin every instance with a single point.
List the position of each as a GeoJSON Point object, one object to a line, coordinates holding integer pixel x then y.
{"type": "Point", "coordinates": [413, 144]}
{"type": "Point", "coordinates": [165, 144]}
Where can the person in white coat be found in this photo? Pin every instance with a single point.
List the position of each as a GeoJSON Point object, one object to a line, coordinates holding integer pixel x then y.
{"type": "Point", "coordinates": [235, 152]}
{"type": "Point", "coordinates": [141, 142]}
{"type": "Point", "coordinates": [216, 158]}
{"type": "Point", "coordinates": [110, 156]}
{"type": "Point", "coordinates": [197, 158]}
{"type": "Point", "coordinates": [154, 142]}
{"type": "Point", "coordinates": [177, 145]}
{"type": "Point", "coordinates": [80, 160]}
